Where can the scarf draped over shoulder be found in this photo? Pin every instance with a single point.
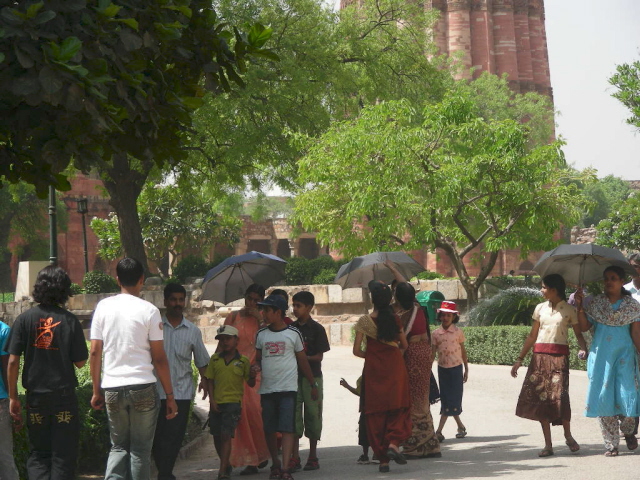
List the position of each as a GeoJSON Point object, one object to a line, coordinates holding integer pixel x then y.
{"type": "Point", "coordinates": [601, 311]}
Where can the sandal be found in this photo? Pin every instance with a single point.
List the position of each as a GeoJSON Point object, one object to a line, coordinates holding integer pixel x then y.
{"type": "Point", "coordinates": [545, 452]}
{"type": "Point", "coordinates": [312, 464]}
{"type": "Point", "coordinates": [572, 444]}
{"type": "Point", "coordinates": [276, 474]}
{"type": "Point", "coordinates": [632, 442]}
{"type": "Point", "coordinates": [440, 437]}
{"type": "Point", "coordinates": [286, 476]}
{"type": "Point", "coordinates": [294, 464]}
{"type": "Point", "coordinates": [612, 452]}
{"type": "Point", "coordinates": [462, 432]}
{"type": "Point", "coordinates": [396, 456]}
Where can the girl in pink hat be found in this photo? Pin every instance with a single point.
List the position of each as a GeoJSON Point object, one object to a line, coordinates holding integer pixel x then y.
{"type": "Point", "coordinates": [448, 343]}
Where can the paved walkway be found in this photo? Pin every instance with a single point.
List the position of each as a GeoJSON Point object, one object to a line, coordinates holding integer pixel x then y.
{"type": "Point", "coordinates": [499, 444]}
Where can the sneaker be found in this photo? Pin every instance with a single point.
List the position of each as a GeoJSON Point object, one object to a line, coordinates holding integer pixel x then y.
{"type": "Point", "coordinates": [363, 460]}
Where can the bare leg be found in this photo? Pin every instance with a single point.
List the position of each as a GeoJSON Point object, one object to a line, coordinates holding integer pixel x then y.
{"type": "Point", "coordinates": [287, 448]}
{"type": "Point", "coordinates": [546, 432]}
{"type": "Point", "coordinates": [443, 420]}
{"type": "Point", "coordinates": [296, 449]}
{"type": "Point", "coordinates": [458, 421]}
{"type": "Point", "coordinates": [272, 443]}
{"type": "Point", "coordinates": [313, 449]}
{"type": "Point", "coordinates": [225, 441]}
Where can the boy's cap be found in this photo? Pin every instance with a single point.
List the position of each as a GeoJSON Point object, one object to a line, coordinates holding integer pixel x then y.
{"type": "Point", "coordinates": [275, 301]}
{"type": "Point", "coordinates": [227, 330]}
{"type": "Point", "coordinates": [449, 307]}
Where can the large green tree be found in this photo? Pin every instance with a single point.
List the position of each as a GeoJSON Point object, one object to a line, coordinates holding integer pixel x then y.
{"type": "Point", "coordinates": [621, 229]}
{"type": "Point", "coordinates": [110, 85]}
{"type": "Point", "coordinates": [402, 176]}
{"type": "Point", "coordinates": [331, 65]}
{"type": "Point", "coordinates": [604, 193]}
{"type": "Point", "coordinates": [627, 82]}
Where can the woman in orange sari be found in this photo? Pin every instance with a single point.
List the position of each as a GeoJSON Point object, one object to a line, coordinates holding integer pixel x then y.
{"type": "Point", "coordinates": [386, 383]}
{"type": "Point", "coordinates": [249, 446]}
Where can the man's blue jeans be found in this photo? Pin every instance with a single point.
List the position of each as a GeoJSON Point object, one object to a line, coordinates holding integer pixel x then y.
{"type": "Point", "coordinates": [132, 412]}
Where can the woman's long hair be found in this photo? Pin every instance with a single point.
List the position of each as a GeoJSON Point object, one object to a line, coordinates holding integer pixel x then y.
{"type": "Point", "coordinates": [622, 275]}
{"type": "Point", "coordinates": [406, 295]}
{"type": "Point", "coordinates": [556, 282]}
{"type": "Point", "coordinates": [388, 329]}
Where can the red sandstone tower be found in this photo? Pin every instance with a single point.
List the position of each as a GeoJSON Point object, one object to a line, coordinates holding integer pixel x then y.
{"type": "Point", "coordinates": [496, 36]}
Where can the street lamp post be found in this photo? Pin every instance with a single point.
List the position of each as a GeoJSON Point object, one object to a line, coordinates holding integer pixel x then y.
{"type": "Point", "coordinates": [53, 227]}
{"type": "Point", "coordinates": [83, 210]}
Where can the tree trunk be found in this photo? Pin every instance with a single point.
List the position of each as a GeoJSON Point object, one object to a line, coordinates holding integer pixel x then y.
{"type": "Point", "coordinates": [124, 184]}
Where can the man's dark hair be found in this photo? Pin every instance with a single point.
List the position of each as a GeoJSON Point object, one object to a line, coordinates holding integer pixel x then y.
{"type": "Point", "coordinates": [129, 271]}
{"type": "Point", "coordinates": [281, 292]}
{"type": "Point", "coordinates": [305, 298]}
{"type": "Point", "coordinates": [174, 288]}
{"type": "Point", "coordinates": [53, 286]}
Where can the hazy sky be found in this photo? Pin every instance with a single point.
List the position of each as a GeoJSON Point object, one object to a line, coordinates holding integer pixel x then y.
{"type": "Point", "coordinates": [586, 40]}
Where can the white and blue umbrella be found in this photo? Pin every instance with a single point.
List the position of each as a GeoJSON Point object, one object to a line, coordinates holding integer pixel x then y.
{"type": "Point", "coordinates": [229, 280]}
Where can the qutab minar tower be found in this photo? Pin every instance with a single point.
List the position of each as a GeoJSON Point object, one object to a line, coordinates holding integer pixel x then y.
{"type": "Point", "coordinates": [497, 36]}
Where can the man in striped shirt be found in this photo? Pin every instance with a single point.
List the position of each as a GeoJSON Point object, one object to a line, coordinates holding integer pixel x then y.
{"type": "Point", "coordinates": [182, 342]}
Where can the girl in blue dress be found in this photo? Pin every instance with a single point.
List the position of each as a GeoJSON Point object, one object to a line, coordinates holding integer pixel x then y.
{"type": "Point", "coordinates": [612, 367]}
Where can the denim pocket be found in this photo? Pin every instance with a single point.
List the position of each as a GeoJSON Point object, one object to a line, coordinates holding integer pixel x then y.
{"type": "Point", "coordinates": [145, 399]}
{"type": "Point", "coordinates": [111, 401]}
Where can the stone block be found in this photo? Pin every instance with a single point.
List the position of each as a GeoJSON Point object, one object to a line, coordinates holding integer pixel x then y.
{"type": "Point", "coordinates": [335, 334]}
{"type": "Point", "coordinates": [428, 285]}
{"type": "Point", "coordinates": [353, 295]}
{"type": "Point", "coordinates": [320, 293]}
{"type": "Point", "coordinates": [347, 328]}
{"type": "Point", "coordinates": [27, 273]}
{"type": "Point", "coordinates": [335, 293]}
{"type": "Point", "coordinates": [448, 288]}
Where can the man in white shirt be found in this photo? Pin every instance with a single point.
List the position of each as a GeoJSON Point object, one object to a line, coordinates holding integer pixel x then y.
{"type": "Point", "coordinates": [128, 331]}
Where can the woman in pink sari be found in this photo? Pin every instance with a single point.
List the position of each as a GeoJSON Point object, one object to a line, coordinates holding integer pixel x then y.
{"type": "Point", "coordinates": [249, 446]}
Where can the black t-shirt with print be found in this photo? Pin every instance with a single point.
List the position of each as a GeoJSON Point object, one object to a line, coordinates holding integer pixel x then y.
{"type": "Point", "coordinates": [315, 341]}
{"type": "Point", "coordinates": [51, 340]}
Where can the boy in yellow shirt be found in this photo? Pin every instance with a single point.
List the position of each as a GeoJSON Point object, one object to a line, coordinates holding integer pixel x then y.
{"type": "Point", "coordinates": [227, 372]}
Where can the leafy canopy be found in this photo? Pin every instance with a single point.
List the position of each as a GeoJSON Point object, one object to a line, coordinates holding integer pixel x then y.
{"type": "Point", "coordinates": [621, 229]}
{"type": "Point", "coordinates": [627, 81]}
{"type": "Point", "coordinates": [442, 176]}
{"type": "Point", "coordinates": [87, 80]}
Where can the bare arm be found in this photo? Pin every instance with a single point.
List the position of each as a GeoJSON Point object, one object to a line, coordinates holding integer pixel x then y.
{"type": "Point", "coordinates": [13, 366]}
{"type": "Point", "coordinates": [161, 364]}
{"type": "Point", "coordinates": [203, 386]}
{"type": "Point", "coordinates": [80, 364]}
{"type": "Point", "coordinates": [4, 362]}
{"type": "Point", "coordinates": [357, 345]}
{"type": "Point", "coordinates": [580, 338]}
{"type": "Point", "coordinates": [528, 343]}
{"type": "Point", "coordinates": [635, 334]}
{"type": "Point", "coordinates": [396, 273]}
{"type": "Point", "coordinates": [465, 362]}
{"type": "Point", "coordinates": [344, 383]}
{"type": "Point", "coordinates": [305, 368]}
{"type": "Point", "coordinates": [582, 316]}
{"type": "Point", "coordinates": [95, 367]}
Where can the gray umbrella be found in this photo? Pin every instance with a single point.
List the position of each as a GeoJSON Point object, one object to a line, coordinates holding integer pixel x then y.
{"type": "Point", "coordinates": [228, 280]}
{"type": "Point", "coordinates": [580, 264]}
{"type": "Point", "coordinates": [361, 270]}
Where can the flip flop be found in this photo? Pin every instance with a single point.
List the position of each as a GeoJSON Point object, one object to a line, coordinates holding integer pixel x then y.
{"type": "Point", "coordinates": [611, 453]}
{"type": "Point", "coordinates": [545, 452]}
{"type": "Point", "coordinates": [572, 444]}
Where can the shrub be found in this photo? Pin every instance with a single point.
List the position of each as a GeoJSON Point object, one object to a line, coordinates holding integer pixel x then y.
{"type": "Point", "coordinates": [190, 266]}
{"type": "Point", "coordinates": [99, 282]}
{"type": "Point", "coordinates": [302, 271]}
{"type": "Point", "coordinates": [427, 275]}
{"type": "Point", "coordinates": [501, 345]}
{"type": "Point", "coordinates": [513, 306]}
{"type": "Point", "coordinates": [76, 289]}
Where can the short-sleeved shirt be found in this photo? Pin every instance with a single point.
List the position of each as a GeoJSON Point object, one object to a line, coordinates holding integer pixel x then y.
{"type": "Point", "coordinates": [228, 378]}
{"type": "Point", "coordinates": [554, 323]}
{"type": "Point", "coordinates": [181, 343]}
{"type": "Point", "coordinates": [4, 335]}
{"type": "Point", "coordinates": [279, 364]}
{"type": "Point", "coordinates": [315, 341]}
{"type": "Point", "coordinates": [51, 339]}
{"type": "Point", "coordinates": [126, 324]}
{"type": "Point", "coordinates": [448, 344]}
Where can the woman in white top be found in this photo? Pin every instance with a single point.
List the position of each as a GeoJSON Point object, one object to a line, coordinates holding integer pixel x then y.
{"type": "Point", "coordinates": [545, 393]}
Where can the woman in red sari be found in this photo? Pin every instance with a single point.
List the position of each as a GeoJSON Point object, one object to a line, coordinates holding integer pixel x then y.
{"type": "Point", "coordinates": [386, 383]}
{"type": "Point", "coordinates": [249, 446]}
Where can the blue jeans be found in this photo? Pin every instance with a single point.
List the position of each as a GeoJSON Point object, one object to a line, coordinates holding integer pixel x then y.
{"type": "Point", "coordinates": [132, 412]}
